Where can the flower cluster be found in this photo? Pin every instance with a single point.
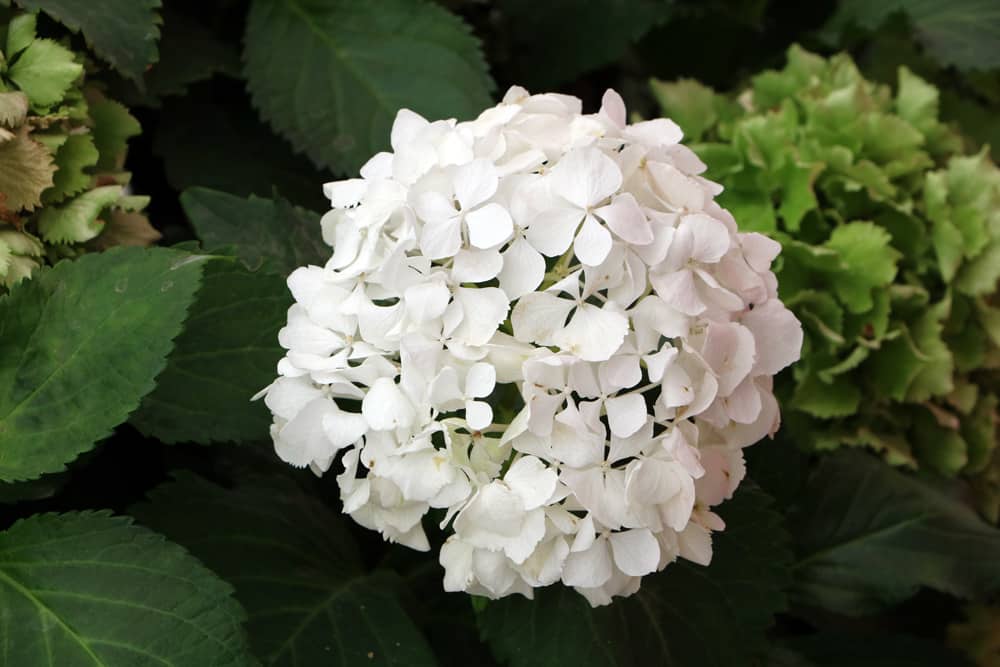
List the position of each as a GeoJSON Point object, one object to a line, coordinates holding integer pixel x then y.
{"type": "Point", "coordinates": [540, 324]}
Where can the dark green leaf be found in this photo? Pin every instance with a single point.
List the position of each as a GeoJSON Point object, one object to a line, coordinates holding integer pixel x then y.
{"type": "Point", "coordinates": [331, 75]}
{"type": "Point", "coordinates": [93, 590]}
{"type": "Point", "coordinates": [227, 351]}
{"type": "Point", "coordinates": [840, 649]}
{"type": "Point", "coordinates": [295, 569]}
{"type": "Point", "coordinates": [965, 33]}
{"type": "Point", "coordinates": [870, 536]}
{"type": "Point", "coordinates": [123, 32]}
{"type": "Point", "coordinates": [686, 615]}
{"type": "Point", "coordinates": [83, 342]}
{"type": "Point", "coordinates": [588, 34]}
{"type": "Point", "coordinates": [261, 230]}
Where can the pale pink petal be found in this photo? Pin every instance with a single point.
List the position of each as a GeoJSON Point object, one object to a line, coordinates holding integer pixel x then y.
{"type": "Point", "coordinates": [626, 219]}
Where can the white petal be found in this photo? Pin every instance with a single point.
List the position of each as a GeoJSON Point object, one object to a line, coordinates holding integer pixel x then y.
{"type": "Point", "coordinates": [695, 544]}
{"type": "Point", "coordinates": [286, 396]}
{"type": "Point", "coordinates": [483, 310]}
{"type": "Point", "coordinates": [344, 428]}
{"type": "Point", "coordinates": [551, 232]}
{"type": "Point", "coordinates": [476, 266]}
{"type": "Point", "coordinates": [621, 371]}
{"type": "Point", "coordinates": [532, 480]}
{"type": "Point", "coordinates": [405, 128]}
{"type": "Point", "coordinates": [478, 415]}
{"type": "Point", "coordinates": [539, 316]}
{"type": "Point", "coordinates": [585, 177]}
{"type": "Point", "coordinates": [475, 182]}
{"type": "Point", "coordinates": [744, 404]}
{"type": "Point", "coordinates": [626, 414]}
{"type": "Point", "coordinates": [456, 558]}
{"type": "Point", "coordinates": [593, 334]}
{"type": "Point", "coordinates": [778, 335]}
{"type": "Point", "coordinates": [433, 206]}
{"type": "Point", "coordinates": [593, 243]}
{"type": "Point", "coordinates": [636, 552]}
{"type": "Point", "coordinates": [441, 239]}
{"type": "Point", "coordinates": [480, 380]}
{"type": "Point", "coordinates": [345, 193]}
{"type": "Point", "coordinates": [590, 568]}
{"type": "Point", "coordinates": [523, 269]}
{"type": "Point", "coordinates": [729, 350]}
{"type": "Point", "coordinates": [613, 107]}
{"type": "Point", "coordinates": [759, 251]}
{"type": "Point", "coordinates": [303, 439]}
{"type": "Point", "coordinates": [426, 301]}
{"type": "Point", "coordinates": [626, 219]}
{"type": "Point", "coordinates": [489, 225]}
{"type": "Point", "coordinates": [656, 132]}
{"type": "Point", "coordinates": [711, 238]}
{"type": "Point", "coordinates": [678, 290]}
{"type": "Point", "coordinates": [676, 189]}
{"type": "Point", "coordinates": [385, 407]}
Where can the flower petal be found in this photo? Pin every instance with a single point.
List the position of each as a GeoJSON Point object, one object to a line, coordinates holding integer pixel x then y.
{"type": "Point", "coordinates": [626, 219]}
{"type": "Point", "coordinates": [593, 243]}
{"type": "Point", "coordinates": [636, 552]}
{"type": "Point", "coordinates": [489, 225]}
{"type": "Point", "coordinates": [523, 269]}
{"type": "Point", "coordinates": [585, 177]}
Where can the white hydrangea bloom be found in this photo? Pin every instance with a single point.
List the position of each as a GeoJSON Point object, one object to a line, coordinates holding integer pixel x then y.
{"type": "Point", "coordinates": [540, 324]}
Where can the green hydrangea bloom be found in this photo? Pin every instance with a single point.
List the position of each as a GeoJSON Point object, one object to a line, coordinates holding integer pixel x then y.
{"type": "Point", "coordinates": [62, 146]}
{"type": "Point", "coordinates": [891, 238]}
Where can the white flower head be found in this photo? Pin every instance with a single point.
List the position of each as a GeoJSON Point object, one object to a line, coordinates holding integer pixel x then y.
{"type": "Point", "coordinates": [540, 322]}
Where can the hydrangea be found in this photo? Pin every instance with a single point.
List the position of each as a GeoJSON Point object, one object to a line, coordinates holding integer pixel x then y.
{"type": "Point", "coordinates": [540, 324]}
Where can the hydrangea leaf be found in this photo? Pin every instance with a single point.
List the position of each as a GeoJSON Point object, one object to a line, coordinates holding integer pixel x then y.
{"type": "Point", "coordinates": [833, 648]}
{"type": "Point", "coordinates": [753, 210]}
{"type": "Point", "coordinates": [964, 33]}
{"type": "Point", "coordinates": [798, 197]}
{"type": "Point", "coordinates": [934, 377]}
{"type": "Point", "coordinates": [361, 63]}
{"type": "Point", "coordinates": [226, 353]}
{"type": "Point", "coordinates": [44, 72]}
{"type": "Point", "coordinates": [917, 101]}
{"type": "Point", "coordinates": [13, 108]}
{"type": "Point", "coordinates": [980, 275]}
{"type": "Point", "coordinates": [837, 398]}
{"type": "Point", "coordinates": [126, 228]}
{"type": "Point", "coordinates": [692, 105]}
{"type": "Point", "coordinates": [671, 614]}
{"type": "Point", "coordinates": [870, 261]}
{"type": "Point", "coordinates": [113, 126]}
{"type": "Point", "coordinates": [940, 447]}
{"type": "Point", "coordinates": [20, 34]}
{"type": "Point", "coordinates": [296, 569]}
{"type": "Point", "coordinates": [88, 588]}
{"type": "Point", "coordinates": [72, 159]}
{"type": "Point", "coordinates": [590, 35]}
{"type": "Point", "coordinates": [84, 341]}
{"type": "Point", "coordinates": [77, 221]}
{"type": "Point", "coordinates": [260, 229]}
{"type": "Point", "coordinates": [856, 561]}
{"type": "Point", "coordinates": [123, 32]}
{"type": "Point", "coordinates": [26, 170]}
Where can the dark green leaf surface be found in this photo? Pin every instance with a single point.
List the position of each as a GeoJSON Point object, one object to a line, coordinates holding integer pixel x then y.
{"type": "Point", "coordinates": [261, 230]}
{"type": "Point", "coordinates": [555, 42]}
{"type": "Point", "coordinates": [686, 615]}
{"type": "Point", "coordinates": [330, 75]}
{"type": "Point", "coordinates": [123, 32]}
{"type": "Point", "coordinates": [870, 536]}
{"type": "Point", "coordinates": [965, 33]}
{"type": "Point", "coordinates": [83, 342]}
{"type": "Point", "coordinates": [295, 569]}
{"type": "Point", "coordinates": [92, 590]}
{"type": "Point", "coordinates": [840, 649]}
{"type": "Point", "coordinates": [226, 353]}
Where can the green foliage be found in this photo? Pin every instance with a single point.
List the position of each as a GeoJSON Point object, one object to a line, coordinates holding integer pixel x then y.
{"type": "Point", "coordinates": [840, 649]}
{"type": "Point", "coordinates": [88, 588]}
{"type": "Point", "coordinates": [227, 351]}
{"type": "Point", "coordinates": [296, 570]}
{"type": "Point", "coordinates": [123, 32]}
{"type": "Point", "coordinates": [891, 246]}
{"type": "Point", "coordinates": [964, 33]}
{"type": "Point", "coordinates": [686, 615]}
{"type": "Point", "coordinates": [82, 345]}
{"type": "Point", "coordinates": [588, 34]}
{"type": "Point", "coordinates": [360, 64]}
{"type": "Point", "coordinates": [62, 147]}
{"type": "Point", "coordinates": [261, 230]}
{"type": "Point", "coordinates": [869, 537]}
